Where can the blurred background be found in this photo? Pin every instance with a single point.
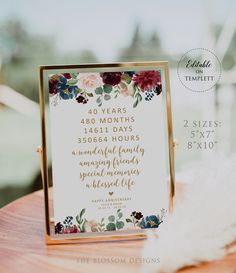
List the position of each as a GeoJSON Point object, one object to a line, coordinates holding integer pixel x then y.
{"type": "Point", "coordinates": [75, 31]}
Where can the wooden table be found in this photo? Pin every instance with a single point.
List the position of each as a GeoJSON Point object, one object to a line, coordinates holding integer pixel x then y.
{"type": "Point", "coordinates": [22, 247]}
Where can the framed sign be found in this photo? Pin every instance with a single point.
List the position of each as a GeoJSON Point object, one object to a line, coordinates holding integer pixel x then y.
{"type": "Point", "coordinates": [107, 133]}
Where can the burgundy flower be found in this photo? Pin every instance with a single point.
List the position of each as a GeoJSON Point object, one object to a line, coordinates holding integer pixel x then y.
{"type": "Point", "coordinates": [58, 228]}
{"type": "Point", "coordinates": [133, 213]}
{"type": "Point", "coordinates": [111, 78]}
{"type": "Point", "coordinates": [53, 86]}
{"type": "Point", "coordinates": [67, 75]}
{"type": "Point", "coordinates": [72, 229]}
{"type": "Point", "coordinates": [81, 99]}
{"type": "Point", "coordinates": [136, 215]}
{"type": "Point", "coordinates": [147, 80]}
{"type": "Point", "coordinates": [158, 89]}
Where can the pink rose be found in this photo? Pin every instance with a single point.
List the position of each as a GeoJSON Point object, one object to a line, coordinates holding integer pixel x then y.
{"type": "Point", "coordinates": [91, 225]}
{"type": "Point", "coordinates": [89, 81]}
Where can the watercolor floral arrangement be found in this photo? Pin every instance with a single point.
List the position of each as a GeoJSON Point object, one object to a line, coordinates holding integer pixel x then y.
{"type": "Point", "coordinates": [105, 86]}
{"type": "Point", "coordinates": [136, 220]}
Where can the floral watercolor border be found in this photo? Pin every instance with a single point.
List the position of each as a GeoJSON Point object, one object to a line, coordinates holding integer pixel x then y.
{"type": "Point", "coordinates": [136, 220]}
{"type": "Point", "coordinates": [140, 85]}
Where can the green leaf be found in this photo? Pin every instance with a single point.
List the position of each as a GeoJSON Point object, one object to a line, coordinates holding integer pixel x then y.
{"type": "Point", "coordinates": [99, 91]}
{"type": "Point", "coordinates": [100, 104]}
{"type": "Point", "coordinates": [116, 94]}
{"type": "Point", "coordinates": [120, 214]}
{"type": "Point", "coordinates": [99, 100]}
{"type": "Point", "coordinates": [128, 220]}
{"type": "Point", "coordinates": [94, 229]}
{"type": "Point", "coordinates": [72, 82]}
{"type": "Point", "coordinates": [135, 103]}
{"type": "Point", "coordinates": [107, 88]}
{"type": "Point", "coordinates": [82, 213]}
{"type": "Point", "coordinates": [78, 219]}
{"type": "Point", "coordinates": [73, 75]}
{"type": "Point", "coordinates": [126, 78]}
{"type": "Point", "coordinates": [83, 227]}
{"type": "Point", "coordinates": [111, 226]}
{"type": "Point", "coordinates": [139, 97]}
{"type": "Point", "coordinates": [118, 210]}
{"type": "Point", "coordinates": [107, 97]}
{"type": "Point", "coordinates": [76, 92]}
{"type": "Point", "coordinates": [111, 218]}
{"type": "Point", "coordinates": [123, 85]}
{"type": "Point", "coordinates": [102, 220]}
{"type": "Point", "coordinates": [119, 224]}
{"type": "Point", "coordinates": [90, 94]}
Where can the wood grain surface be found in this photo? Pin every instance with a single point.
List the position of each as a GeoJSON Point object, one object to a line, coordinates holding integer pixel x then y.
{"type": "Point", "coordinates": [22, 247]}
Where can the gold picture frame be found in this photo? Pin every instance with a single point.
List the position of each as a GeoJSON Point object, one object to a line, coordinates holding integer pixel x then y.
{"type": "Point", "coordinates": [163, 65]}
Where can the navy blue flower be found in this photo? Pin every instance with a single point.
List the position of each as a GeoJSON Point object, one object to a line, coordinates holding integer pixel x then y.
{"type": "Point", "coordinates": [151, 221]}
{"type": "Point", "coordinates": [130, 73]}
{"type": "Point", "coordinates": [66, 91]}
{"type": "Point", "coordinates": [62, 84]}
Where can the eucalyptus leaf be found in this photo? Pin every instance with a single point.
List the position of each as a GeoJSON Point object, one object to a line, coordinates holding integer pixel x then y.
{"type": "Point", "coordinates": [90, 94]}
{"type": "Point", "coordinates": [120, 214]}
{"type": "Point", "coordinates": [107, 88]}
{"type": "Point", "coordinates": [111, 218]}
{"type": "Point", "coordinates": [111, 226]}
{"type": "Point", "coordinates": [128, 220]}
{"type": "Point", "coordinates": [120, 224]}
{"type": "Point", "coordinates": [99, 91]}
{"type": "Point", "coordinates": [99, 100]}
{"type": "Point", "coordinates": [107, 97]}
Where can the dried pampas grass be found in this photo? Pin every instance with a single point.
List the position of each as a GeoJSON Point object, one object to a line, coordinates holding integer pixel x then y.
{"type": "Point", "coordinates": [203, 222]}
